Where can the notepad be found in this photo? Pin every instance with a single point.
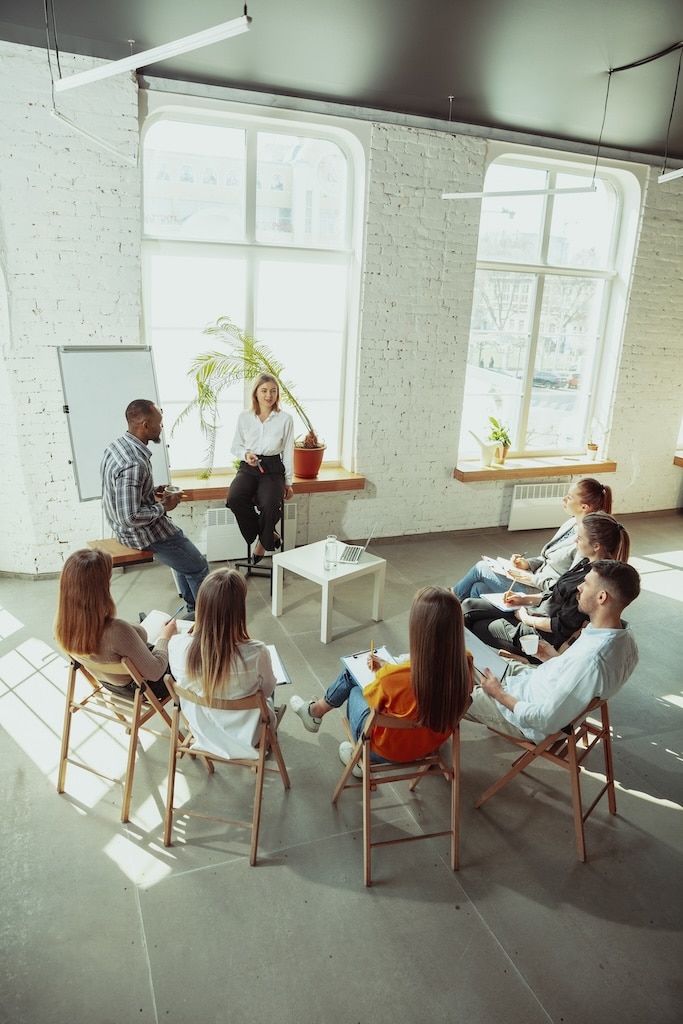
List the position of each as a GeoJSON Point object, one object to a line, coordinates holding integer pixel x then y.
{"type": "Point", "coordinates": [357, 664]}
{"type": "Point", "coordinates": [498, 600]}
{"type": "Point", "coordinates": [155, 620]}
{"type": "Point", "coordinates": [279, 671]}
{"type": "Point", "coordinates": [501, 566]}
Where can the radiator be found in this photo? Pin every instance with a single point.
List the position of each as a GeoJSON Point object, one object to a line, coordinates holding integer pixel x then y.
{"type": "Point", "coordinates": [224, 540]}
{"type": "Point", "coordinates": [537, 505]}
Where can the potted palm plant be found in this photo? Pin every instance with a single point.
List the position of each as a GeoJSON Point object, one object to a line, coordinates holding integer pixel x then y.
{"type": "Point", "coordinates": [244, 359]}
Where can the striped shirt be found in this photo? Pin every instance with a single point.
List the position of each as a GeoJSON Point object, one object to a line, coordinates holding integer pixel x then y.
{"type": "Point", "coordinates": [128, 499]}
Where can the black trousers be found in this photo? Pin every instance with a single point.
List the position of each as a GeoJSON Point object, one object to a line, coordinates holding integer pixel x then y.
{"type": "Point", "coordinates": [252, 489]}
{"type": "Point", "coordinates": [495, 628]}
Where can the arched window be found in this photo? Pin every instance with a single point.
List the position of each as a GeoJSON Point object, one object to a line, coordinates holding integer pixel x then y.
{"type": "Point", "coordinates": [547, 313]}
{"type": "Point", "coordinates": [282, 262]}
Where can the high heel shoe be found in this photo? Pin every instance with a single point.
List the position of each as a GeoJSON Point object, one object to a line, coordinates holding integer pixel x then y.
{"type": "Point", "coordinates": [255, 559]}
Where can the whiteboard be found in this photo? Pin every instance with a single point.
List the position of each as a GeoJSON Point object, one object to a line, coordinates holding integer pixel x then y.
{"type": "Point", "coordinates": [98, 384]}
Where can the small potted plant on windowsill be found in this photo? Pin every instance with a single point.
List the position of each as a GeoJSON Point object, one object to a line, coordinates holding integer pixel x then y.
{"type": "Point", "coordinates": [244, 360]}
{"type": "Point", "coordinates": [500, 433]}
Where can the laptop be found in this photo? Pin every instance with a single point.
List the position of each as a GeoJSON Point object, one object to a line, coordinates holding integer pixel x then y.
{"type": "Point", "coordinates": [352, 552]}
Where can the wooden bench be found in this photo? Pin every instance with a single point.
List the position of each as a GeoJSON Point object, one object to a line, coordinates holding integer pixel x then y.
{"type": "Point", "coordinates": [120, 554]}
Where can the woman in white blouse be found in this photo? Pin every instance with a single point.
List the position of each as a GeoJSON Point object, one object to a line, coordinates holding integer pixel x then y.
{"type": "Point", "coordinates": [264, 444]}
{"type": "Point", "coordinates": [218, 659]}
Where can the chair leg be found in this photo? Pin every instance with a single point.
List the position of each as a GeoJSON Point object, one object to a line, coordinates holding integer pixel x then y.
{"type": "Point", "coordinates": [455, 801]}
{"type": "Point", "coordinates": [577, 806]}
{"type": "Point", "coordinates": [170, 786]}
{"type": "Point", "coordinates": [66, 731]}
{"type": "Point", "coordinates": [609, 765]}
{"type": "Point", "coordinates": [258, 793]}
{"type": "Point", "coordinates": [367, 816]}
{"type": "Point", "coordinates": [132, 752]}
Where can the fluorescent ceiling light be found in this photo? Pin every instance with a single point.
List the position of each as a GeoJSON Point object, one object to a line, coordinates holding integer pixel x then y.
{"type": "Point", "coordinates": [521, 192]}
{"type": "Point", "coordinates": [670, 175]}
{"type": "Point", "coordinates": [165, 52]}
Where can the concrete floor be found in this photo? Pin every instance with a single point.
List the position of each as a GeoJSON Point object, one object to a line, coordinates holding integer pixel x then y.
{"type": "Point", "coordinates": [101, 923]}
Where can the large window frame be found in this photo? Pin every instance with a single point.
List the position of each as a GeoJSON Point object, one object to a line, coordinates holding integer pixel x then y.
{"type": "Point", "coordinates": [517, 393]}
{"type": "Point", "coordinates": [328, 266]}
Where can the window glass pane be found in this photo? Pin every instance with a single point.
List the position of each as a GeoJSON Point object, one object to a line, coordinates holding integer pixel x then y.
{"type": "Point", "coordinates": [185, 293]}
{"type": "Point", "coordinates": [194, 181]}
{"type": "Point", "coordinates": [563, 370]}
{"type": "Point", "coordinates": [300, 315]}
{"type": "Point", "coordinates": [301, 191]}
{"type": "Point", "coordinates": [582, 225]}
{"type": "Point", "coordinates": [510, 227]}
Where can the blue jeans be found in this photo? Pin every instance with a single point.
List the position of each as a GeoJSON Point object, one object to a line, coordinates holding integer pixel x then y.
{"type": "Point", "coordinates": [345, 688]}
{"type": "Point", "coordinates": [483, 580]}
{"type": "Point", "coordinates": [187, 562]}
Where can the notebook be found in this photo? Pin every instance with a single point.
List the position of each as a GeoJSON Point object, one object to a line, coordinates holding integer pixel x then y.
{"type": "Point", "coordinates": [352, 552]}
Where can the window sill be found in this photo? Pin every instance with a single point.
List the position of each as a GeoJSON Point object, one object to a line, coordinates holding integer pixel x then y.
{"type": "Point", "coordinates": [330, 478]}
{"type": "Point", "coordinates": [528, 469]}
{"type": "Point", "coordinates": [678, 458]}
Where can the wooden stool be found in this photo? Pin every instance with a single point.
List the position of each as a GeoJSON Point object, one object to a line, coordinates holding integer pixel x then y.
{"type": "Point", "coordinates": [120, 554]}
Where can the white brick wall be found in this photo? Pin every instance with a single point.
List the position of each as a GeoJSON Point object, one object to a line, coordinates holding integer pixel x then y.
{"type": "Point", "coordinates": [70, 251]}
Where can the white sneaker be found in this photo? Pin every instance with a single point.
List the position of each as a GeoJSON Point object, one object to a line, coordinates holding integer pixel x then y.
{"type": "Point", "coordinates": [302, 708]}
{"type": "Point", "coordinates": [345, 754]}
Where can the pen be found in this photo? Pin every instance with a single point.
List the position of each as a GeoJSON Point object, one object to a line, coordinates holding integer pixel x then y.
{"type": "Point", "coordinates": [176, 614]}
{"type": "Point", "coordinates": [512, 587]}
{"type": "Point", "coordinates": [260, 466]}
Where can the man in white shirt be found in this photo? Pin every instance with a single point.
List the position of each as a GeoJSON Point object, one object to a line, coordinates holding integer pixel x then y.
{"type": "Point", "coordinates": [537, 702]}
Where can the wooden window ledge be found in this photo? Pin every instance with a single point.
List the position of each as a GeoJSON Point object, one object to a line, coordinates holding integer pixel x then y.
{"type": "Point", "coordinates": [330, 478]}
{"type": "Point", "coordinates": [529, 469]}
{"type": "Point", "coordinates": [678, 458]}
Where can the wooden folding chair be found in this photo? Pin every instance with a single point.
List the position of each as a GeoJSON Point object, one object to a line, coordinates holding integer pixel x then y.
{"type": "Point", "coordinates": [377, 773]}
{"type": "Point", "coordinates": [267, 741]}
{"type": "Point", "coordinates": [568, 749]}
{"type": "Point", "coordinates": [132, 713]}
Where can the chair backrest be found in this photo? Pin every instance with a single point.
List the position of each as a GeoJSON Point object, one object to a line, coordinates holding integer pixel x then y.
{"type": "Point", "coordinates": [254, 700]}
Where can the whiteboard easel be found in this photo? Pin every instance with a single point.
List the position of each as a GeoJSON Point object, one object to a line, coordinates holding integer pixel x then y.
{"type": "Point", "coordinates": [98, 384]}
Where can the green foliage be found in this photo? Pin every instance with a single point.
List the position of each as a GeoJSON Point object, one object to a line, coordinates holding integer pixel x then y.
{"type": "Point", "coordinates": [244, 359]}
{"type": "Point", "coordinates": [499, 432]}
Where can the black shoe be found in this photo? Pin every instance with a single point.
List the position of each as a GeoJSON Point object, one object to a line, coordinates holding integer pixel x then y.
{"type": "Point", "coordinates": [142, 616]}
{"type": "Point", "coordinates": [255, 559]}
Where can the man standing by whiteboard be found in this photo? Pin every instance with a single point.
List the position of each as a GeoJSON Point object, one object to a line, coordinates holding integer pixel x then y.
{"type": "Point", "coordinates": [136, 512]}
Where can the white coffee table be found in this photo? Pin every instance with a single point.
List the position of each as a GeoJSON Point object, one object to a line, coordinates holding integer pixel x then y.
{"type": "Point", "coordinates": [308, 562]}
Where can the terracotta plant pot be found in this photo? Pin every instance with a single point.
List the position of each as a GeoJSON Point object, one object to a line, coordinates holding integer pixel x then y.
{"type": "Point", "coordinates": [307, 462]}
{"type": "Point", "coordinates": [499, 460]}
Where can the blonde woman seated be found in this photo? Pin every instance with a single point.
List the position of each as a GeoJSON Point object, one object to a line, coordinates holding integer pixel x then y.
{"type": "Point", "coordinates": [86, 624]}
{"type": "Point", "coordinates": [219, 660]}
{"type": "Point", "coordinates": [432, 688]}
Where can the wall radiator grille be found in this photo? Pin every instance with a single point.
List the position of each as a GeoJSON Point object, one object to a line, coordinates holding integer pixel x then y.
{"type": "Point", "coordinates": [224, 540]}
{"type": "Point", "coordinates": [537, 505]}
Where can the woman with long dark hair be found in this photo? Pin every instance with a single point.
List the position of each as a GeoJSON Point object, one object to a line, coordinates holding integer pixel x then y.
{"type": "Point", "coordinates": [264, 444]}
{"type": "Point", "coordinates": [218, 660]}
{"type": "Point", "coordinates": [554, 614]}
{"type": "Point", "coordinates": [86, 624]}
{"type": "Point", "coordinates": [432, 688]}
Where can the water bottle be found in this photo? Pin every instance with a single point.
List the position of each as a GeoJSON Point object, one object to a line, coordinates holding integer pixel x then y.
{"type": "Point", "coordinates": [330, 556]}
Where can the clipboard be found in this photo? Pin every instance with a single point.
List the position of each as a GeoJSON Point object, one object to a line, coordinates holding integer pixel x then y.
{"type": "Point", "coordinates": [357, 664]}
{"type": "Point", "coordinates": [485, 656]}
{"type": "Point", "coordinates": [280, 672]}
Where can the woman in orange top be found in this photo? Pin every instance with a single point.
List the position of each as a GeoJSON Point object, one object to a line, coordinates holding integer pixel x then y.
{"type": "Point", "coordinates": [432, 688]}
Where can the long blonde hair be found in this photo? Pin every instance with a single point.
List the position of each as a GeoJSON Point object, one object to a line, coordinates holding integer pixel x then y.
{"type": "Point", "coordinates": [439, 669]}
{"type": "Point", "coordinates": [85, 604]}
{"type": "Point", "coordinates": [220, 626]}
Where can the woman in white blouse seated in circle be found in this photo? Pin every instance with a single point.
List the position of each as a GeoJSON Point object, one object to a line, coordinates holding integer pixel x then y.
{"type": "Point", "coordinates": [264, 444]}
{"type": "Point", "coordinates": [218, 659]}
